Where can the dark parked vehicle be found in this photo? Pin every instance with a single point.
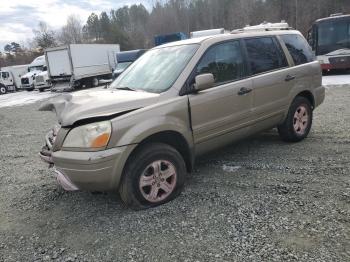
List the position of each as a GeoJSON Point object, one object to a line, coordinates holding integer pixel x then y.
{"type": "Point", "coordinates": [163, 39]}
{"type": "Point", "coordinates": [330, 40]}
{"type": "Point", "coordinates": [125, 59]}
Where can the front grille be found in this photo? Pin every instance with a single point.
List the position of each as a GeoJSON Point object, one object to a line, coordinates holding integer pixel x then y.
{"type": "Point", "coordinates": [25, 81]}
{"type": "Point", "coordinates": [39, 79]}
{"type": "Point", "coordinates": [340, 60]}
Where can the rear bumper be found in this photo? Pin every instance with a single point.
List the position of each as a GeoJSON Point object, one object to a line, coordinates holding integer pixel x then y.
{"type": "Point", "coordinates": [319, 95]}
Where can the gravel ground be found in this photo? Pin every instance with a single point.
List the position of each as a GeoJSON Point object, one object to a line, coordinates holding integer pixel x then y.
{"type": "Point", "coordinates": [258, 200]}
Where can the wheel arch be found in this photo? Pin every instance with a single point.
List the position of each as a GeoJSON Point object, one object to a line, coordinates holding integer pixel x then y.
{"type": "Point", "coordinates": [173, 139]}
{"type": "Point", "coordinates": [309, 96]}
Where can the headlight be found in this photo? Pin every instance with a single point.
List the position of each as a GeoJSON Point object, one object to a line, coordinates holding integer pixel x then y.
{"type": "Point", "coordinates": [95, 135]}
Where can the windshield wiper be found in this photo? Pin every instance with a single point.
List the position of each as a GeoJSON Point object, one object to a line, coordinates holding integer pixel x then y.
{"type": "Point", "coordinates": [125, 88]}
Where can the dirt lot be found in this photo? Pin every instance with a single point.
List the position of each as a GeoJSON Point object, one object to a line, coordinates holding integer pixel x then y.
{"type": "Point", "coordinates": [258, 200]}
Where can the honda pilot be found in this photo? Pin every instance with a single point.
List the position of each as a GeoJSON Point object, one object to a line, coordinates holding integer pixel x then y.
{"type": "Point", "coordinates": [178, 101]}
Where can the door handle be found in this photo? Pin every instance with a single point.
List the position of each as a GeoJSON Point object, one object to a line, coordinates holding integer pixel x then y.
{"type": "Point", "coordinates": [244, 91]}
{"type": "Point", "coordinates": [289, 78]}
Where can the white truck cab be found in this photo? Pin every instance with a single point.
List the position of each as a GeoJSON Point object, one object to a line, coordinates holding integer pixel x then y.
{"type": "Point", "coordinates": [35, 68]}
{"type": "Point", "coordinates": [42, 80]}
{"type": "Point", "coordinates": [10, 77]}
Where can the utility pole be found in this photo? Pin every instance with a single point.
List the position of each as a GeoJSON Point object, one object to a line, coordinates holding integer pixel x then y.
{"type": "Point", "coordinates": [296, 14]}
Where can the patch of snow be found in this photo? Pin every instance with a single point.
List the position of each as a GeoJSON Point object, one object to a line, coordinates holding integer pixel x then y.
{"type": "Point", "coordinates": [230, 169]}
{"type": "Point", "coordinates": [336, 80]}
{"type": "Point", "coordinates": [23, 98]}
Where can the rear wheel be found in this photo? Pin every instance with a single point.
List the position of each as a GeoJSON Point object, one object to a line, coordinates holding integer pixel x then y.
{"type": "Point", "coordinates": [298, 122]}
{"type": "Point", "coordinates": [3, 89]}
{"type": "Point", "coordinates": [154, 175]}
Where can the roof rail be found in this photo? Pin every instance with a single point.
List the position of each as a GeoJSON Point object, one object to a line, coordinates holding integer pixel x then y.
{"type": "Point", "coordinates": [265, 26]}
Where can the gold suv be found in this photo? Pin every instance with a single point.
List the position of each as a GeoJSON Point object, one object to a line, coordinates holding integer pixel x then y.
{"type": "Point", "coordinates": [178, 101]}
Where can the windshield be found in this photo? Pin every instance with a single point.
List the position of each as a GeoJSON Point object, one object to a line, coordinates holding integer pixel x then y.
{"type": "Point", "coordinates": [35, 68]}
{"type": "Point", "coordinates": [122, 66]}
{"type": "Point", "coordinates": [333, 36]}
{"type": "Point", "coordinates": [157, 70]}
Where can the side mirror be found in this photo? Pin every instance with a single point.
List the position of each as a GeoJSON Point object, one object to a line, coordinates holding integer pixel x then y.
{"type": "Point", "coordinates": [203, 82]}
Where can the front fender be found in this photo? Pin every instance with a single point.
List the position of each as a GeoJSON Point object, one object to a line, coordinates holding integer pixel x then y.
{"type": "Point", "coordinates": [134, 127]}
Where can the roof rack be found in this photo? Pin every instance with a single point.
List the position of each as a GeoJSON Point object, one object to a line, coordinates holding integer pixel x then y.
{"type": "Point", "coordinates": [336, 14]}
{"type": "Point", "coordinates": [265, 26]}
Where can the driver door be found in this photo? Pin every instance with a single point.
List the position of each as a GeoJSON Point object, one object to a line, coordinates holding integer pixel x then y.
{"type": "Point", "coordinates": [219, 111]}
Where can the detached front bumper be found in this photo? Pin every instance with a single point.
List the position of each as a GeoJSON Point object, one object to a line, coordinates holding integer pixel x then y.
{"type": "Point", "coordinates": [91, 171]}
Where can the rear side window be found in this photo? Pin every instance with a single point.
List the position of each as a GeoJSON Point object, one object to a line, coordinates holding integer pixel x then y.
{"type": "Point", "coordinates": [298, 49]}
{"type": "Point", "coordinates": [264, 55]}
{"type": "Point", "coordinates": [224, 61]}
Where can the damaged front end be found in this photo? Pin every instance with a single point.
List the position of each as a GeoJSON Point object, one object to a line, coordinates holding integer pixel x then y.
{"type": "Point", "coordinates": [46, 151]}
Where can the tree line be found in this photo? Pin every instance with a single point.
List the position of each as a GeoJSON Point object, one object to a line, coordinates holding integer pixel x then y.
{"type": "Point", "coordinates": [135, 26]}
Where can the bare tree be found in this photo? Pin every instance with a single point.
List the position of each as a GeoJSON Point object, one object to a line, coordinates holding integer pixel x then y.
{"type": "Point", "coordinates": [72, 32]}
{"type": "Point", "coordinates": [44, 37]}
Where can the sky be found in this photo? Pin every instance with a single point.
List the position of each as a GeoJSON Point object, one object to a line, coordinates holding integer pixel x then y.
{"type": "Point", "coordinates": [18, 18]}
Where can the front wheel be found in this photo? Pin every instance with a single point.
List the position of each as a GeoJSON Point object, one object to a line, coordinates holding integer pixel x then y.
{"type": "Point", "coordinates": [298, 122]}
{"type": "Point", "coordinates": [3, 90]}
{"type": "Point", "coordinates": [154, 175]}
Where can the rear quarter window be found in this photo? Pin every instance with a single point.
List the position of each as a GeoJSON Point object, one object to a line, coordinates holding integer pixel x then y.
{"type": "Point", "coordinates": [264, 55]}
{"type": "Point", "coordinates": [298, 48]}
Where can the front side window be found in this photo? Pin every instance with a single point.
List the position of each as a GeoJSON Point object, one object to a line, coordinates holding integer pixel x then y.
{"type": "Point", "coordinates": [157, 70]}
{"type": "Point", "coordinates": [264, 55]}
{"type": "Point", "coordinates": [224, 61]}
{"type": "Point", "coordinates": [298, 49]}
{"type": "Point", "coordinates": [5, 75]}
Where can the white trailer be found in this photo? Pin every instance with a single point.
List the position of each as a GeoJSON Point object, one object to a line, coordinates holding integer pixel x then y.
{"type": "Point", "coordinates": [80, 65]}
{"type": "Point", "coordinates": [10, 77]}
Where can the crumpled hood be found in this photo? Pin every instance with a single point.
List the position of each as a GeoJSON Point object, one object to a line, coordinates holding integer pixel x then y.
{"type": "Point", "coordinates": [86, 104]}
{"type": "Point", "coordinates": [339, 52]}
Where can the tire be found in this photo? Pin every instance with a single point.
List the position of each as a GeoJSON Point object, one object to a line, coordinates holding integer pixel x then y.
{"type": "Point", "coordinates": [41, 90]}
{"type": "Point", "coordinates": [137, 193]}
{"type": "Point", "coordinates": [94, 82]}
{"type": "Point", "coordinates": [298, 122]}
{"type": "Point", "coordinates": [3, 89]}
{"type": "Point", "coordinates": [30, 89]}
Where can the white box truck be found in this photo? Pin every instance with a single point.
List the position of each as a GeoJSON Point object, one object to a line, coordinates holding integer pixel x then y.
{"type": "Point", "coordinates": [10, 77]}
{"type": "Point", "coordinates": [80, 65]}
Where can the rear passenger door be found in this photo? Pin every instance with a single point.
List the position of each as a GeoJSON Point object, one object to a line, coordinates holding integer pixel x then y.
{"type": "Point", "coordinates": [306, 76]}
{"type": "Point", "coordinates": [270, 75]}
